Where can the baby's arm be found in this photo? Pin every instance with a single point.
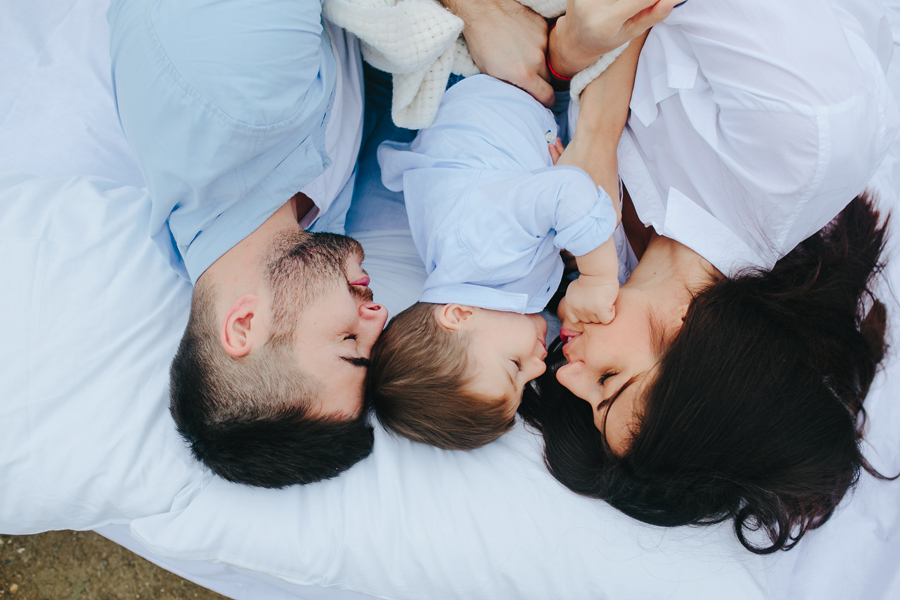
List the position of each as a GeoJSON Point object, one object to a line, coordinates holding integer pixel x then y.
{"type": "Point", "coordinates": [591, 298]}
{"type": "Point", "coordinates": [604, 112]}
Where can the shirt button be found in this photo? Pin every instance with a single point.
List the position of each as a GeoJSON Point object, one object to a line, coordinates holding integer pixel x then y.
{"type": "Point", "coordinates": [549, 137]}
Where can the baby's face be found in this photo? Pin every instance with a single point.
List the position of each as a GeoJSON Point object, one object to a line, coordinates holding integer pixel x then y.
{"type": "Point", "coordinates": [507, 350]}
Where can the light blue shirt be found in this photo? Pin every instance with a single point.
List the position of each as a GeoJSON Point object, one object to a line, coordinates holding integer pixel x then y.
{"type": "Point", "coordinates": [488, 211]}
{"type": "Point", "coordinates": [225, 104]}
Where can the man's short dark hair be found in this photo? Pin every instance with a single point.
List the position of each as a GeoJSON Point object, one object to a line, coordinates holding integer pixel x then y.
{"type": "Point", "coordinates": [251, 419]}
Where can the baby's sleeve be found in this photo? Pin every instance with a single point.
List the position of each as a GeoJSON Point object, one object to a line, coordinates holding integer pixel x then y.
{"type": "Point", "coordinates": [504, 217]}
{"type": "Point", "coordinates": [584, 216]}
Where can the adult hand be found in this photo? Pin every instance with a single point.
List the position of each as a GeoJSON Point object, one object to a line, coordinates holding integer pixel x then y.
{"type": "Point", "coordinates": [591, 28]}
{"type": "Point", "coordinates": [507, 41]}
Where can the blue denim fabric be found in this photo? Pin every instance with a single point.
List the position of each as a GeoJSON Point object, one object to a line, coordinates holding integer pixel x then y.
{"type": "Point", "coordinates": [454, 79]}
{"type": "Point", "coordinates": [560, 110]}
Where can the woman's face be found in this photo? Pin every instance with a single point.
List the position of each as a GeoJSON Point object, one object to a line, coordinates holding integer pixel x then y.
{"type": "Point", "coordinates": [609, 366]}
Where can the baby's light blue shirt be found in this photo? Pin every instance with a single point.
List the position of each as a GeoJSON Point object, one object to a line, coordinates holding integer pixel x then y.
{"type": "Point", "coordinates": [225, 105]}
{"type": "Point", "coordinates": [488, 211]}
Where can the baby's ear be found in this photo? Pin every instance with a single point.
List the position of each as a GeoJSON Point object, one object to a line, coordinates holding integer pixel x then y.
{"type": "Point", "coordinates": [454, 316]}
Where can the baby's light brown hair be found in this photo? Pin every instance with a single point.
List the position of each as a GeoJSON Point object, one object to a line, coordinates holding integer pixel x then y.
{"type": "Point", "coordinates": [418, 381]}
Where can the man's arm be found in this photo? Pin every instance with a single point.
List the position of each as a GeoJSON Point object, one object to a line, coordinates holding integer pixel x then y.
{"type": "Point", "coordinates": [507, 41]}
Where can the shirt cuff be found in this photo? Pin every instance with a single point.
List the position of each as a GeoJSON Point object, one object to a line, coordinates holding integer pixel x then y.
{"type": "Point", "coordinates": [591, 230]}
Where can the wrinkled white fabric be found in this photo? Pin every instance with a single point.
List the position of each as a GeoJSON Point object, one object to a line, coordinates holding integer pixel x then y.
{"type": "Point", "coordinates": [747, 133]}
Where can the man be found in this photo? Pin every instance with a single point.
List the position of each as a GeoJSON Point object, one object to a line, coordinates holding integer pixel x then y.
{"type": "Point", "coordinates": [246, 119]}
{"type": "Point", "coordinates": [232, 109]}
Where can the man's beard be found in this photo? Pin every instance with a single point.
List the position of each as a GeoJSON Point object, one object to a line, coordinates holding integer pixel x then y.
{"type": "Point", "coordinates": [304, 266]}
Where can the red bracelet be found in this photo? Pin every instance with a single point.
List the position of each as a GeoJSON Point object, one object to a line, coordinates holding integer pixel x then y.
{"type": "Point", "coordinates": [549, 66]}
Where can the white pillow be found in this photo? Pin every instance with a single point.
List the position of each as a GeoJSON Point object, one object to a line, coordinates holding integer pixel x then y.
{"type": "Point", "coordinates": [413, 521]}
{"type": "Point", "coordinates": [97, 315]}
{"type": "Point", "coordinates": [92, 316]}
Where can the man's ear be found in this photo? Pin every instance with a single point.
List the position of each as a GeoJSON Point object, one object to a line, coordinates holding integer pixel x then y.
{"type": "Point", "coordinates": [241, 325]}
{"type": "Point", "coordinates": [455, 316]}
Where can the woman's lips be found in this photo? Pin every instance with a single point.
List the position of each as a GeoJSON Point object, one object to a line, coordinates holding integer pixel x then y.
{"type": "Point", "coordinates": [568, 334]}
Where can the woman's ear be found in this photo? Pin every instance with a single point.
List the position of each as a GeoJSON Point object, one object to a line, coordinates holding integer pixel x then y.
{"type": "Point", "coordinates": [455, 316]}
{"type": "Point", "coordinates": [241, 325]}
{"type": "Point", "coordinates": [675, 320]}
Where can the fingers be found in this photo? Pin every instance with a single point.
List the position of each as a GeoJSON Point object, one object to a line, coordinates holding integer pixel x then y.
{"type": "Point", "coordinates": [608, 316]}
{"type": "Point", "coordinates": [543, 70]}
{"type": "Point", "coordinates": [647, 18]}
{"type": "Point", "coordinates": [554, 153]}
{"type": "Point", "coordinates": [556, 150]}
{"type": "Point", "coordinates": [604, 317]}
{"type": "Point", "coordinates": [570, 316]}
{"type": "Point", "coordinates": [626, 9]}
{"type": "Point", "coordinates": [561, 311]}
{"type": "Point", "coordinates": [540, 89]}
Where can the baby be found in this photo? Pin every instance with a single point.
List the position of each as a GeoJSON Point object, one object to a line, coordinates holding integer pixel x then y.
{"type": "Point", "coordinates": [489, 214]}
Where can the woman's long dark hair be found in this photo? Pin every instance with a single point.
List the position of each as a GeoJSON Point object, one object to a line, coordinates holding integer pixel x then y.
{"type": "Point", "coordinates": [756, 414]}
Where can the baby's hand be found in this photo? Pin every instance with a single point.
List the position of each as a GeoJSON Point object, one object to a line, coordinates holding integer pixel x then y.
{"type": "Point", "coordinates": [556, 150]}
{"type": "Point", "coordinates": [591, 299]}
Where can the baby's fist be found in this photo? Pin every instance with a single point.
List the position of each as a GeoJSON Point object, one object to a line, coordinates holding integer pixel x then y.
{"type": "Point", "coordinates": [591, 299]}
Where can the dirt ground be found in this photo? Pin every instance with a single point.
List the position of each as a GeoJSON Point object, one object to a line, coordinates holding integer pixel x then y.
{"type": "Point", "coordinates": [81, 565]}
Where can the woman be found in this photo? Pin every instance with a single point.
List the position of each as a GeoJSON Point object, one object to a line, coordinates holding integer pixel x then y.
{"type": "Point", "coordinates": [731, 383]}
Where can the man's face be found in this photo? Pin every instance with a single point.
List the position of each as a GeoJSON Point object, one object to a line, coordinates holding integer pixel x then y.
{"type": "Point", "coordinates": [329, 312]}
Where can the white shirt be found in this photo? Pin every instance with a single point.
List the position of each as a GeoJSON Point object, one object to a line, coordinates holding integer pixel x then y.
{"type": "Point", "coordinates": [754, 123]}
{"type": "Point", "coordinates": [487, 210]}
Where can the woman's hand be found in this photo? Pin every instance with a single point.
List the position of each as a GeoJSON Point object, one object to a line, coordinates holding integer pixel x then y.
{"type": "Point", "coordinates": [591, 28]}
{"type": "Point", "coordinates": [507, 41]}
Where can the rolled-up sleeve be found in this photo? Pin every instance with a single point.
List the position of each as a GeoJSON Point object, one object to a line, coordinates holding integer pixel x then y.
{"type": "Point", "coordinates": [506, 216]}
